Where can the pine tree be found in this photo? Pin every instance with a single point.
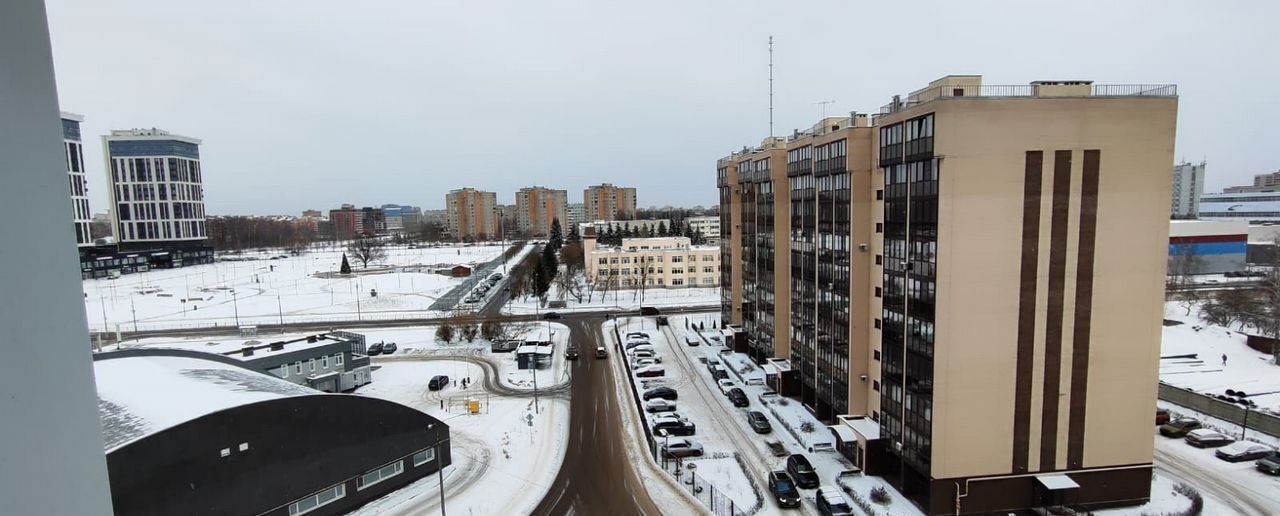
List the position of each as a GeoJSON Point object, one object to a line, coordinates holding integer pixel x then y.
{"type": "Point", "coordinates": [574, 237]}
{"type": "Point", "coordinates": [550, 264]}
{"type": "Point", "coordinates": [555, 240]}
{"type": "Point", "coordinates": [346, 267]}
{"type": "Point", "coordinates": [662, 229]}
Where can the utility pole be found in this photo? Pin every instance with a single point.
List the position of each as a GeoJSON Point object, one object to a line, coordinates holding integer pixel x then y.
{"type": "Point", "coordinates": [234, 306]}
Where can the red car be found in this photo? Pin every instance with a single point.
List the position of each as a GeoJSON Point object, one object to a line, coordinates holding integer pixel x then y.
{"type": "Point", "coordinates": [650, 371]}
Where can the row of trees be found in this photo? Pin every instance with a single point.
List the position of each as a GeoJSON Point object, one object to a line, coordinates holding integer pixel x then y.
{"type": "Point", "coordinates": [238, 232]}
{"type": "Point", "coordinates": [462, 328]}
{"type": "Point", "coordinates": [614, 233]}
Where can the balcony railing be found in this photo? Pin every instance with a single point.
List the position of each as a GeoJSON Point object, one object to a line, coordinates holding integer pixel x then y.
{"type": "Point", "coordinates": [1032, 91]}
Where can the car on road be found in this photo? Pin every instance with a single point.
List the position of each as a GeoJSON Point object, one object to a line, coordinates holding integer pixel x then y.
{"type": "Point", "coordinates": [495, 276]}
{"type": "Point", "coordinates": [674, 426]}
{"type": "Point", "coordinates": [1243, 451]}
{"type": "Point", "coordinates": [801, 470]}
{"type": "Point", "coordinates": [681, 448]}
{"type": "Point", "coordinates": [552, 316]}
{"type": "Point", "coordinates": [692, 340]}
{"type": "Point", "coordinates": [388, 348]}
{"type": "Point", "coordinates": [665, 393]}
{"type": "Point", "coordinates": [374, 349]}
{"type": "Point", "coordinates": [662, 320]}
{"type": "Point", "coordinates": [648, 310]}
{"type": "Point", "coordinates": [438, 382]}
{"type": "Point", "coordinates": [601, 353]}
{"type": "Point", "coordinates": [1179, 427]}
{"type": "Point", "coordinates": [650, 371]}
{"type": "Point", "coordinates": [831, 502]}
{"type": "Point", "coordinates": [659, 405]}
{"type": "Point", "coordinates": [725, 385]}
{"type": "Point", "coordinates": [759, 422]}
{"type": "Point", "coordinates": [638, 335]}
{"type": "Point", "coordinates": [1206, 438]}
{"type": "Point", "coordinates": [783, 489]}
{"type": "Point", "coordinates": [571, 352]}
{"type": "Point", "coordinates": [1269, 464]}
{"type": "Point", "coordinates": [738, 398]}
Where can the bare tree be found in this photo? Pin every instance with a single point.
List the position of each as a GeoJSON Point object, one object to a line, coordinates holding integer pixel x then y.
{"type": "Point", "coordinates": [1184, 264]}
{"type": "Point", "coordinates": [367, 250]}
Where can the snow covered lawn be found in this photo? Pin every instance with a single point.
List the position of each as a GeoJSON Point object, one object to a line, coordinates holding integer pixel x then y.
{"type": "Point", "coordinates": [1246, 369]}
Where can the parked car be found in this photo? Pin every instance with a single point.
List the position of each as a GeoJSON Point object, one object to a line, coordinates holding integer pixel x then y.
{"type": "Point", "coordinates": [495, 276]}
{"type": "Point", "coordinates": [637, 363]}
{"type": "Point", "coordinates": [552, 316]}
{"type": "Point", "coordinates": [674, 426]}
{"type": "Point", "coordinates": [662, 320]}
{"type": "Point", "coordinates": [651, 371]}
{"type": "Point", "coordinates": [643, 351]}
{"type": "Point", "coordinates": [719, 373]}
{"type": "Point", "coordinates": [437, 382]}
{"type": "Point", "coordinates": [801, 470]}
{"type": "Point", "coordinates": [632, 344]}
{"type": "Point", "coordinates": [665, 393]}
{"type": "Point", "coordinates": [681, 448]}
{"type": "Point", "coordinates": [659, 405]}
{"type": "Point", "coordinates": [725, 385]}
{"type": "Point", "coordinates": [692, 340]}
{"type": "Point", "coordinates": [1206, 438]}
{"type": "Point", "coordinates": [601, 353]}
{"type": "Point", "coordinates": [783, 489]}
{"type": "Point", "coordinates": [648, 310]}
{"type": "Point", "coordinates": [716, 339]}
{"type": "Point", "coordinates": [738, 398]}
{"type": "Point", "coordinates": [831, 502]}
{"type": "Point", "coordinates": [388, 348]}
{"type": "Point", "coordinates": [1269, 464]}
{"type": "Point", "coordinates": [1243, 451]}
{"type": "Point", "coordinates": [1179, 427]}
{"type": "Point", "coordinates": [1162, 416]}
{"type": "Point", "coordinates": [638, 334]}
{"type": "Point", "coordinates": [571, 352]}
{"type": "Point", "coordinates": [759, 422]}
{"type": "Point", "coordinates": [374, 349]}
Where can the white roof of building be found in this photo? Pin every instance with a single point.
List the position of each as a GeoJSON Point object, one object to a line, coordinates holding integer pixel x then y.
{"type": "Point", "coordinates": [232, 346]}
{"type": "Point", "coordinates": [864, 426]}
{"type": "Point", "coordinates": [1189, 228]}
{"type": "Point", "coordinates": [1057, 482]}
{"type": "Point", "coordinates": [141, 395]}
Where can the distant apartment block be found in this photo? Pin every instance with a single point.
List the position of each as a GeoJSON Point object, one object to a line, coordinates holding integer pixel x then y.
{"type": "Point", "coordinates": [669, 262]}
{"type": "Point", "coordinates": [472, 214]}
{"type": "Point", "coordinates": [537, 207]}
{"type": "Point", "coordinates": [73, 147]}
{"type": "Point", "coordinates": [350, 222]}
{"type": "Point", "coordinates": [974, 294]}
{"type": "Point", "coordinates": [609, 202]}
{"type": "Point", "coordinates": [312, 214]}
{"type": "Point", "coordinates": [1269, 182]}
{"type": "Point", "coordinates": [156, 187]}
{"type": "Point", "coordinates": [708, 226]}
{"type": "Point", "coordinates": [1188, 187]}
{"type": "Point", "coordinates": [575, 213]}
{"type": "Point", "coordinates": [1255, 206]}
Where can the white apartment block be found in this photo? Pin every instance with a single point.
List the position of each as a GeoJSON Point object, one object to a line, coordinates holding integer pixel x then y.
{"type": "Point", "coordinates": [1188, 187]}
{"type": "Point", "coordinates": [157, 190]}
{"type": "Point", "coordinates": [668, 262]}
{"type": "Point", "coordinates": [709, 226]}
{"type": "Point", "coordinates": [73, 149]}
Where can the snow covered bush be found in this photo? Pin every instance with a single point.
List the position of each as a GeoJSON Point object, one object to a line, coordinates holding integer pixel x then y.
{"type": "Point", "coordinates": [807, 427]}
{"type": "Point", "coordinates": [444, 333]}
{"type": "Point", "coordinates": [880, 495]}
{"type": "Point", "coordinates": [1197, 502]}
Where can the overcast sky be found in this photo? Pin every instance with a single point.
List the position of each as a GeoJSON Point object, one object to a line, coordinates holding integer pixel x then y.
{"type": "Point", "coordinates": [312, 104]}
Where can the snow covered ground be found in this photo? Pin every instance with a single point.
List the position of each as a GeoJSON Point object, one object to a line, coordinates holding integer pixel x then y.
{"type": "Point", "coordinates": [623, 300]}
{"type": "Point", "coordinates": [258, 290]}
{"type": "Point", "coordinates": [1246, 369]}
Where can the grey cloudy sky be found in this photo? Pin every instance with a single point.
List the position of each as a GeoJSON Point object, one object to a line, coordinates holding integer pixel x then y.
{"type": "Point", "coordinates": [311, 104]}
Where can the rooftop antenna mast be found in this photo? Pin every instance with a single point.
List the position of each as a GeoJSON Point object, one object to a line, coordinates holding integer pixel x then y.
{"type": "Point", "coordinates": [824, 103]}
{"type": "Point", "coordinates": [770, 85]}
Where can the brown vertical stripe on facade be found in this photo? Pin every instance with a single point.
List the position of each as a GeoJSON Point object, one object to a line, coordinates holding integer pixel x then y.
{"type": "Point", "coordinates": [1027, 309]}
{"type": "Point", "coordinates": [1053, 312]}
{"type": "Point", "coordinates": [1083, 311]}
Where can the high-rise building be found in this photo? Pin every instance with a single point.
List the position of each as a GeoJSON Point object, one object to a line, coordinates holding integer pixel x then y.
{"type": "Point", "coordinates": [73, 146]}
{"type": "Point", "coordinates": [609, 202]}
{"type": "Point", "coordinates": [156, 188]}
{"type": "Point", "coordinates": [537, 207]}
{"type": "Point", "coordinates": [1188, 186]}
{"type": "Point", "coordinates": [981, 289]}
{"type": "Point", "coordinates": [766, 249]}
{"type": "Point", "coordinates": [347, 221]}
{"type": "Point", "coordinates": [1269, 182]}
{"type": "Point", "coordinates": [575, 213]}
{"type": "Point", "coordinates": [393, 216]}
{"type": "Point", "coordinates": [472, 214]}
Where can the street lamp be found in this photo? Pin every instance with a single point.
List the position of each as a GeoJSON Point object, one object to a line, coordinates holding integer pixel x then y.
{"type": "Point", "coordinates": [439, 462]}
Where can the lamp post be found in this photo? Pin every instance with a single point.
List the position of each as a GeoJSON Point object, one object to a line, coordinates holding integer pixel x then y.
{"type": "Point", "coordinates": [235, 305]}
{"type": "Point", "coordinates": [439, 463]}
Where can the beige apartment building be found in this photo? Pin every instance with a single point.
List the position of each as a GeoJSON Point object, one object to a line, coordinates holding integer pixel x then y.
{"type": "Point", "coordinates": [667, 262]}
{"type": "Point", "coordinates": [472, 214]}
{"type": "Point", "coordinates": [609, 202]}
{"type": "Point", "coordinates": [1005, 280]}
{"type": "Point", "coordinates": [537, 207]}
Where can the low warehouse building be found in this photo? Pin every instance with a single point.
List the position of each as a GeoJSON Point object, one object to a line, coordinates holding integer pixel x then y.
{"type": "Point", "coordinates": [204, 434]}
{"type": "Point", "coordinates": [1207, 247]}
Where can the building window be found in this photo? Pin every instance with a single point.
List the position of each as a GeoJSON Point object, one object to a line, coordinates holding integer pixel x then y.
{"type": "Point", "coordinates": [875, 385]}
{"type": "Point", "coordinates": [380, 474]}
{"type": "Point", "coordinates": [317, 500]}
{"type": "Point", "coordinates": [226, 452]}
{"type": "Point", "coordinates": [312, 364]}
{"type": "Point", "coordinates": [244, 446]}
{"type": "Point", "coordinates": [324, 362]}
{"type": "Point", "coordinates": [677, 282]}
{"type": "Point", "coordinates": [337, 359]}
{"type": "Point", "coordinates": [879, 195]}
{"type": "Point", "coordinates": [424, 457]}
{"type": "Point", "coordinates": [284, 371]}
{"type": "Point", "coordinates": [879, 259]}
{"type": "Point", "coordinates": [677, 259]}
{"type": "Point", "coordinates": [878, 323]}
{"type": "Point", "coordinates": [297, 367]}
{"type": "Point", "coordinates": [879, 227]}
{"type": "Point", "coordinates": [878, 291]}
{"type": "Point", "coordinates": [604, 261]}
{"type": "Point", "coordinates": [877, 355]}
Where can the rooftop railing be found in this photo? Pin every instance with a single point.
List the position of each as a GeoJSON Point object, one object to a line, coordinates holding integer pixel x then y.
{"type": "Point", "coordinates": [1030, 91]}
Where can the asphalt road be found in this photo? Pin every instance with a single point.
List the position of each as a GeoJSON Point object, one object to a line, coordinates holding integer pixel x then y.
{"type": "Point", "coordinates": [596, 476]}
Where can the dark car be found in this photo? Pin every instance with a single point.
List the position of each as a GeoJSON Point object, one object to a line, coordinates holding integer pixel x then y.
{"type": "Point", "coordinates": [665, 393]}
{"type": "Point", "coordinates": [831, 503]}
{"type": "Point", "coordinates": [799, 468]}
{"type": "Point", "coordinates": [1179, 427]}
{"type": "Point", "coordinates": [571, 352]}
{"type": "Point", "coordinates": [374, 349]}
{"type": "Point", "coordinates": [738, 398]}
{"type": "Point", "coordinates": [438, 382]}
{"type": "Point", "coordinates": [1269, 464]}
{"type": "Point", "coordinates": [719, 373]}
{"type": "Point", "coordinates": [388, 348]}
{"type": "Point", "coordinates": [783, 489]}
{"type": "Point", "coordinates": [1205, 438]}
{"type": "Point", "coordinates": [662, 320]}
{"type": "Point", "coordinates": [552, 316]}
{"type": "Point", "coordinates": [674, 426]}
{"type": "Point", "coordinates": [1243, 450]}
{"type": "Point", "coordinates": [758, 422]}
{"type": "Point", "coordinates": [1162, 416]}
{"type": "Point", "coordinates": [648, 310]}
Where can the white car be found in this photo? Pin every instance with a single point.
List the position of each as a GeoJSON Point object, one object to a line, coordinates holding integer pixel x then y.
{"type": "Point", "coordinates": [1243, 450]}
{"type": "Point", "coordinates": [637, 363]}
{"type": "Point", "coordinates": [692, 340]}
{"type": "Point", "coordinates": [681, 448]}
{"type": "Point", "coordinates": [638, 335]}
{"type": "Point", "coordinates": [659, 405]}
{"type": "Point", "coordinates": [642, 349]}
{"type": "Point", "coordinates": [725, 385]}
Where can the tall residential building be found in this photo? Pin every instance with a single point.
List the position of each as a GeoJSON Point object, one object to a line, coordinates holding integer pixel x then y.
{"type": "Point", "coordinates": [987, 286]}
{"type": "Point", "coordinates": [1188, 186]}
{"type": "Point", "coordinates": [1269, 182]}
{"type": "Point", "coordinates": [73, 147]}
{"type": "Point", "coordinates": [472, 214]}
{"type": "Point", "coordinates": [537, 207]}
{"type": "Point", "coordinates": [157, 188]}
{"type": "Point", "coordinates": [608, 202]}
{"type": "Point", "coordinates": [575, 213]}
{"type": "Point", "coordinates": [347, 221]}
{"type": "Point", "coordinates": [766, 249]}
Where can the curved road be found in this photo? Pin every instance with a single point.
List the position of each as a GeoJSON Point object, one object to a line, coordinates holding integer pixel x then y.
{"type": "Point", "coordinates": [596, 476]}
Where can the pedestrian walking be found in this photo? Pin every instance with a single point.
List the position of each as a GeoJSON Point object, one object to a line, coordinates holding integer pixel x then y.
{"type": "Point", "coordinates": [1224, 360]}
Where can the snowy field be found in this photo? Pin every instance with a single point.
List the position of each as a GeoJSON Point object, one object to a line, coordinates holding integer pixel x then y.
{"type": "Point", "coordinates": [256, 289]}
{"type": "Point", "coordinates": [1245, 369]}
{"type": "Point", "coordinates": [622, 300]}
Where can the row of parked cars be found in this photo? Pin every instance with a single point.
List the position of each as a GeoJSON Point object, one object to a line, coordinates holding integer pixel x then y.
{"type": "Point", "coordinates": [644, 358]}
{"type": "Point", "coordinates": [482, 289]}
{"type": "Point", "coordinates": [1267, 458]}
{"type": "Point", "coordinates": [380, 348]}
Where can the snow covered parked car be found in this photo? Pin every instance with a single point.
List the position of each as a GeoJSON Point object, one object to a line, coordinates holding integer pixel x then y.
{"type": "Point", "coordinates": [659, 405]}
{"type": "Point", "coordinates": [1243, 451]}
{"type": "Point", "coordinates": [1206, 438]}
{"type": "Point", "coordinates": [650, 371]}
{"type": "Point", "coordinates": [681, 448]}
{"type": "Point", "coordinates": [725, 385]}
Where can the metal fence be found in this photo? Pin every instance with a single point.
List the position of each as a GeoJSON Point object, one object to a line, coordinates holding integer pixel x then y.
{"type": "Point", "coordinates": [1221, 409]}
{"type": "Point", "coordinates": [713, 498]}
